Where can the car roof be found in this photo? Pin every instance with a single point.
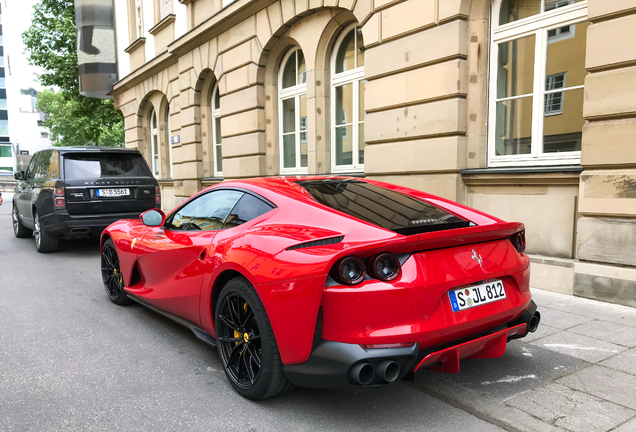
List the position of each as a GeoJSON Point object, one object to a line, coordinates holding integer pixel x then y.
{"type": "Point", "coordinates": [93, 149]}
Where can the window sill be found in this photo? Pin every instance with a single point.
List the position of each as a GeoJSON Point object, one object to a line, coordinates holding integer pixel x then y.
{"type": "Point", "coordinates": [534, 175]}
{"type": "Point", "coordinates": [165, 22]}
{"type": "Point", "coordinates": [136, 44]}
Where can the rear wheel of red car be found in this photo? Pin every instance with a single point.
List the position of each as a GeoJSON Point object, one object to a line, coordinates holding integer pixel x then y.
{"type": "Point", "coordinates": [246, 343]}
{"type": "Point", "coordinates": [112, 276]}
{"type": "Point", "coordinates": [44, 242]}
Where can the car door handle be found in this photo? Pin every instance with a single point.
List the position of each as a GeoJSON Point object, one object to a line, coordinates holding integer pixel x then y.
{"type": "Point", "coordinates": [202, 255]}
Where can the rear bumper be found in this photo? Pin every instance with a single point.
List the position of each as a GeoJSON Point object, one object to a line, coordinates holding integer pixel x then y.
{"type": "Point", "coordinates": [331, 364]}
{"type": "Point", "coordinates": [61, 223]}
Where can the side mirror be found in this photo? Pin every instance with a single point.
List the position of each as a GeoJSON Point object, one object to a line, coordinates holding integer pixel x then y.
{"type": "Point", "coordinates": [19, 175]}
{"type": "Point", "coordinates": [153, 218]}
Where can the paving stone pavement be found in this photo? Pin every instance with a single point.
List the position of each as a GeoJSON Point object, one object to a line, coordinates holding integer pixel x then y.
{"type": "Point", "coordinates": [576, 373]}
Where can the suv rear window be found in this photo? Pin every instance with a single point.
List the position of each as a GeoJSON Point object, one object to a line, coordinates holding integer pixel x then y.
{"type": "Point", "coordinates": [96, 165]}
{"type": "Point", "coordinates": [383, 207]}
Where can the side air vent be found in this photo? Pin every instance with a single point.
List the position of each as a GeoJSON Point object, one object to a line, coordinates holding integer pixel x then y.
{"type": "Point", "coordinates": [323, 242]}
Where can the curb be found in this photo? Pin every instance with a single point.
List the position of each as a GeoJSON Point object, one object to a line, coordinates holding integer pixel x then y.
{"type": "Point", "coordinates": [499, 414]}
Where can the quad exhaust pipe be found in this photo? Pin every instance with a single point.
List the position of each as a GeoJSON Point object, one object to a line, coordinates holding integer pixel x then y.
{"type": "Point", "coordinates": [362, 373]}
{"type": "Point", "coordinates": [388, 371]}
{"type": "Point", "coordinates": [534, 322]}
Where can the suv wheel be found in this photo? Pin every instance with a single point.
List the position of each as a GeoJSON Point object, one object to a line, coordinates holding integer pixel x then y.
{"type": "Point", "coordinates": [19, 229]}
{"type": "Point", "coordinates": [44, 242]}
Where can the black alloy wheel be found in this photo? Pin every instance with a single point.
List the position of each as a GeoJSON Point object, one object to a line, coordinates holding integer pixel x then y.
{"type": "Point", "coordinates": [112, 276]}
{"type": "Point", "coordinates": [240, 340]}
{"type": "Point", "coordinates": [19, 230]}
{"type": "Point", "coordinates": [246, 343]}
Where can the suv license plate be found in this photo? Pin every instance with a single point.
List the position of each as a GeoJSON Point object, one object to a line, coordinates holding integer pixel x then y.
{"type": "Point", "coordinates": [477, 295]}
{"type": "Point", "coordinates": [113, 192]}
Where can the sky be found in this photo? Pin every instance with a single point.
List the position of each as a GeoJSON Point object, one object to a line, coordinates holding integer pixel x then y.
{"type": "Point", "coordinates": [16, 19]}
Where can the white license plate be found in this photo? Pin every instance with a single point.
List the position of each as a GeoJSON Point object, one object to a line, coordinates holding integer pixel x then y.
{"type": "Point", "coordinates": [113, 192]}
{"type": "Point", "coordinates": [477, 295]}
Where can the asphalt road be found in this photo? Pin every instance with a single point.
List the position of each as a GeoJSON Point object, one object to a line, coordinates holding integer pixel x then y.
{"type": "Point", "coordinates": [72, 360]}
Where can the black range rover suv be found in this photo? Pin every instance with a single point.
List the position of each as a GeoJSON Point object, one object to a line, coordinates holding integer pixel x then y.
{"type": "Point", "coordinates": [71, 192]}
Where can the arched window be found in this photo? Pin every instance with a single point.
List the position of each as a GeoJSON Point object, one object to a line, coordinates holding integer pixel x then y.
{"type": "Point", "coordinates": [215, 108]}
{"type": "Point", "coordinates": [347, 102]}
{"type": "Point", "coordinates": [537, 72]}
{"type": "Point", "coordinates": [292, 113]}
{"type": "Point", "coordinates": [168, 141]}
{"type": "Point", "coordinates": [154, 142]}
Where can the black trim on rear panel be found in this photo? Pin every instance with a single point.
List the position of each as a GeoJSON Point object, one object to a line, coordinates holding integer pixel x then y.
{"type": "Point", "coordinates": [431, 228]}
{"type": "Point", "coordinates": [382, 207]}
{"type": "Point", "coordinates": [323, 242]}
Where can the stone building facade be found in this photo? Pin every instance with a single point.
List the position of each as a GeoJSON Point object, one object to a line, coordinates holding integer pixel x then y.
{"type": "Point", "coordinates": [525, 109]}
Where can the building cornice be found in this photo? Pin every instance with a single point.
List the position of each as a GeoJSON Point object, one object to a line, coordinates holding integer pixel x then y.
{"type": "Point", "coordinates": [146, 70]}
{"type": "Point", "coordinates": [221, 21]}
{"type": "Point", "coordinates": [165, 22]}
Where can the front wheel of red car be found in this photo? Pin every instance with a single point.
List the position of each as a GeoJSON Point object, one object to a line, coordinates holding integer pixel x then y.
{"type": "Point", "coordinates": [112, 276]}
{"type": "Point", "coordinates": [246, 343]}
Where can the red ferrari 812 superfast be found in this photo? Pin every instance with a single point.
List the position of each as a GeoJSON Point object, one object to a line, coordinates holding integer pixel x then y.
{"type": "Point", "coordinates": [327, 282]}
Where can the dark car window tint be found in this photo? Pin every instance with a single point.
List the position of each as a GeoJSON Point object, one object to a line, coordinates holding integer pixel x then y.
{"type": "Point", "coordinates": [248, 208]}
{"type": "Point", "coordinates": [38, 168]}
{"type": "Point", "coordinates": [383, 207]}
{"type": "Point", "coordinates": [207, 212]}
{"type": "Point", "coordinates": [43, 164]}
{"type": "Point", "coordinates": [83, 166]}
{"type": "Point", "coordinates": [29, 173]}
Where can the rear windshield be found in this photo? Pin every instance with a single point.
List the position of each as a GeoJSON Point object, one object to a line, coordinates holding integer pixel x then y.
{"type": "Point", "coordinates": [96, 165]}
{"type": "Point", "coordinates": [383, 207]}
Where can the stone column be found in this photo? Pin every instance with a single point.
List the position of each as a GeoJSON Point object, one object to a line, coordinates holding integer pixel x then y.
{"type": "Point", "coordinates": [242, 112]}
{"type": "Point", "coordinates": [415, 98]}
{"type": "Point", "coordinates": [188, 152]}
{"type": "Point", "coordinates": [606, 234]}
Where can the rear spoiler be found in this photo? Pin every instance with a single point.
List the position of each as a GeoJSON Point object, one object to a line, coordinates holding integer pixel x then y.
{"type": "Point", "coordinates": [468, 235]}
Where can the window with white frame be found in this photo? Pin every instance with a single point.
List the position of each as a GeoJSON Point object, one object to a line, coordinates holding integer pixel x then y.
{"type": "Point", "coordinates": [292, 113]}
{"type": "Point", "coordinates": [154, 142]}
{"type": "Point", "coordinates": [215, 107]}
{"type": "Point", "coordinates": [537, 72]}
{"type": "Point", "coordinates": [139, 27]}
{"type": "Point", "coordinates": [347, 102]}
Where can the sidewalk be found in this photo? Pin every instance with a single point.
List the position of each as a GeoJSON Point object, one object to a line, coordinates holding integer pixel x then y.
{"type": "Point", "coordinates": [576, 373]}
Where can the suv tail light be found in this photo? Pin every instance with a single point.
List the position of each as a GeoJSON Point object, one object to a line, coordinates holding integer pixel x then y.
{"type": "Point", "coordinates": [157, 197]}
{"type": "Point", "coordinates": [60, 201]}
{"type": "Point", "coordinates": [519, 241]}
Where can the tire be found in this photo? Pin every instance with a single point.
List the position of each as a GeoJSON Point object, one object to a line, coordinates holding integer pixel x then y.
{"type": "Point", "coordinates": [19, 230]}
{"type": "Point", "coordinates": [44, 242]}
{"type": "Point", "coordinates": [244, 339]}
{"type": "Point", "coordinates": [111, 275]}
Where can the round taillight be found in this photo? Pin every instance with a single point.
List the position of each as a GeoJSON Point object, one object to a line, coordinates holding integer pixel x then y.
{"type": "Point", "coordinates": [385, 267]}
{"type": "Point", "coordinates": [350, 271]}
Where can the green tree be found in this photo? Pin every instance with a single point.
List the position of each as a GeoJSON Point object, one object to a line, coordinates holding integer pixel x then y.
{"type": "Point", "coordinates": [72, 118]}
